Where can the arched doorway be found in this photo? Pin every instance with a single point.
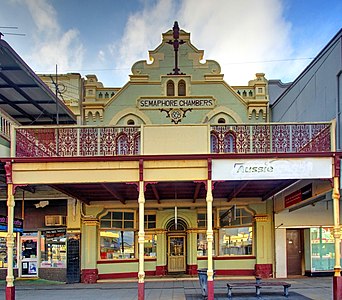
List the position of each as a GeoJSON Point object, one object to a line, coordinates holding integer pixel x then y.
{"type": "Point", "coordinates": [176, 246]}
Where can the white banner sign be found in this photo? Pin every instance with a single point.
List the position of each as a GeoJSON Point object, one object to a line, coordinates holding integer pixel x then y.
{"type": "Point", "coordinates": [290, 168]}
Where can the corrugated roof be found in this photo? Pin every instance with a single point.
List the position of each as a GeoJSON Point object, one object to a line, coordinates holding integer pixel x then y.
{"type": "Point", "coordinates": [24, 96]}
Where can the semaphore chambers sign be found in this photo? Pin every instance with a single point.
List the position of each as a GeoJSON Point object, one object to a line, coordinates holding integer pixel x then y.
{"type": "Point", "coordinates": [187, 103]}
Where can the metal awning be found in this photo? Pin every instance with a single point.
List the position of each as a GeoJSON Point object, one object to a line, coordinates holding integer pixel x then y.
{"type": "Point", "coordinates": [24, 96]}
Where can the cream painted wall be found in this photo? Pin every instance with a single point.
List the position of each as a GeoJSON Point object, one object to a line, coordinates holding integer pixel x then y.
{"type": "Point", "coordinates": [280, 259]}
{"type": "Point", "coordinates": [170, 139]}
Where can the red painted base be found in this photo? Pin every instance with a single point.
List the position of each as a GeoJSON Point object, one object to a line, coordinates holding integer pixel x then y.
{"type": "Point", "coordinates": [337, 287]}
{"type": "Point", "coordinates": [210, 290]}
{"type": "Point", "coordinates": [141, 291]}
{"type": "Point", "coordinates": [263, 270]}
{"type": "Point", "coordinates": [191, 269]}
{"type": "Point", "coordinates": [161, 270]}
{"type": "Point", "coordinates": [10, 292]}
{"type": "Point", "coordinates": [89, 275]}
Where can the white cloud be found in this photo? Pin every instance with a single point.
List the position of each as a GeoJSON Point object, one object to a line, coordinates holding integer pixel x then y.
{"type": "Point", "coordinates": [240, 35]}
{"type": "Point", "coordinates": [51, 45]}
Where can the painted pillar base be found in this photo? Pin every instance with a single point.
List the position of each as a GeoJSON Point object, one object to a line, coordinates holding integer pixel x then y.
{"type": "Point", "coordinates": [263, 270]}
{"type": "Point", "coordinates": [141, 290]}
{"type": "Point", "coordinates": [337, 287]}
{"type": "Point", "coordinates": [89, 275]}
{"type": "Point", "coordinates": [10, 292]}
{"type": "Point", "coordinates": [210, 290]}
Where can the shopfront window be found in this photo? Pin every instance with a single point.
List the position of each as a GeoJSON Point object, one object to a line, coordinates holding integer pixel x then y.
{"type": "Point", "coordinates": [150, 246]}
{"type": "Point", "coordinates": [150, 221]}
{"type": "Point", "coordinates": [202, 244]}
{"type": "Point", "coordinates": [53, 248]}
{"type": "Point", "coordinates": [236, 232]}
{"type": "Point", "coordinates": [322, 249]}
{"type": "Point", "coordinates": [117, 235]}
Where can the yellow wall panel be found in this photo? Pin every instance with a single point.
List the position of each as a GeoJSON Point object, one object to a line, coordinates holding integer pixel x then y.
{"type": "Point", "coordinates": [169, 139]}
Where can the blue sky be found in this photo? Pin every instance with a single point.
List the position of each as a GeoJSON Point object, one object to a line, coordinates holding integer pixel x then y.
{"type": "Point", "coordinates": [105, 37]}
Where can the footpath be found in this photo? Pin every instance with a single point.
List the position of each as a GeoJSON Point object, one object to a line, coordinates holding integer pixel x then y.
{"type": "Point", "coordinates": [304, 288]}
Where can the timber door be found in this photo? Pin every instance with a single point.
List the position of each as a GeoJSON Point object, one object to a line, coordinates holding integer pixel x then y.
{"type": "Point", "coordinates": [294, 251]}
{"type": "Point", "coordinates": [176, 253]}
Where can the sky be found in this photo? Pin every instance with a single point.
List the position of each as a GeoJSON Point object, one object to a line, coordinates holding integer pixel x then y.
{"type": "Point", "coordinates": [106, 37]}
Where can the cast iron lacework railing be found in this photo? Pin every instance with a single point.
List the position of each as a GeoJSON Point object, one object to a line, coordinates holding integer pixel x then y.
{"type": "Point", "coordinates": [77, 141]}
{"type": "Point", "coordinates": [271, 138]}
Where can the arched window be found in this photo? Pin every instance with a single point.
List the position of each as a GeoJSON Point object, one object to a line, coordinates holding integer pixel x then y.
{"type": "Point", "coordinates": [100, 95]}
{"type": "Point", "coordinates": [229, 143]}
{"type": "Point", "coordinates": [170, 88]}
{"type": "Point", "coordinates": [221, 121]}
{"type": "Point", "coordinates": [106, 95]}
{"type": "Point", "coordinates": [181, 88]}
{"type": "Point", "coordinates": [130, 122]}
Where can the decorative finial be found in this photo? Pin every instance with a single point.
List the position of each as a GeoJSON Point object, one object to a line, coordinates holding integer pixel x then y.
{"type": "Point", "coordinates": [176, 43]}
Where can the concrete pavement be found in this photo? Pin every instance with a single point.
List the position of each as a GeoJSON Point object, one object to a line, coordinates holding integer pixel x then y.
{"type": "Point", "coordinates": [304, 288]}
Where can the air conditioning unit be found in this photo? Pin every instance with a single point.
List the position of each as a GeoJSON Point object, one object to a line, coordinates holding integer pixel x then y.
{"type": "Point", "coordinates": [55, 220]}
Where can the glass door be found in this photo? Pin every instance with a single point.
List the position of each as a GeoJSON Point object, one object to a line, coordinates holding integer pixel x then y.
{"type": "Point", "coordinates": [29, 255]}
{"type": "Point", "coordinates": [176, 254]}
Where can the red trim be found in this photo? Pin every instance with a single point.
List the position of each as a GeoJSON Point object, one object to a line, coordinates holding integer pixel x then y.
{"type": "Point", "coordinates": [118, 261]}
{"type": "Point", "coordinates": [118, 275]}
{"type": "Point", "coordinates": [209, 168]}
{"type": "Point", "coordinates": [210, 290]}
{"type": "Point", "coordinates": [10, 292]}
{"type": "Point", "coordinates": [169, 157]}
{"type": "Point", "coordinates": [125, 275]}
{"type": "Point", "coordinates": [235, 272]}
{"type": "Point", "coordinates": [337, 288]}
{"type": "Point", "coordinates": [141, 291]}
{"type": "Point", "coordinates": [141, 170]}
{"type": "Point", "coordinates": [226, 257]}
{"type": "Point", "coordinates": [161, 270]}
{"type": "Point", "coordinates": [191, 269]}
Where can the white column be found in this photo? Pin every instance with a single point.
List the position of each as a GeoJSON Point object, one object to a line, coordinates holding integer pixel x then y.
{"type": "Point", "coordinates": [141, 234]}
{"type": "Point", "coordinates": [210, 235]}
{"type": "Point", "coordinates": [10, 235]}
{"type": "Point", "coordinates": [337, 234]}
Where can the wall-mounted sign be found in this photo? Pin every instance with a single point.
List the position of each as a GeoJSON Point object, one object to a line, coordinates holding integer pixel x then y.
{"type": "Point", "coordinates": [299, 195]}
{"type": "Point", "coordinates": [18, 224]}
{"type": "Point", "coordinates": [290, 168]}
{"type": "Point", "coordinates": [165, 103]}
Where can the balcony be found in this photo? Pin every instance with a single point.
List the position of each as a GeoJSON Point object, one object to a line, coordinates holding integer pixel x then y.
{"type": "Point", "coordinates": [85, 141]}
{"type": "Point", "coordinates": [6, 122]}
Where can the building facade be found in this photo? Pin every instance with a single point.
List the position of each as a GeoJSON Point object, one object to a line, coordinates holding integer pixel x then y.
{"type": "Point", "coordinates": [174, 172]}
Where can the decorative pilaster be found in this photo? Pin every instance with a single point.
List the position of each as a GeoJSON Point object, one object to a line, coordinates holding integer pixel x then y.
{"type": "Point", "coordinates": [141, 241]}
{"type": "Point", "coordinates": [10, 289]}
{"type": "Point", "coordinates": [210, 238]}
{"type": "Point", "coordinates": [89, 273]}
{"type": "Point", "coordinates": [263, 266]}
